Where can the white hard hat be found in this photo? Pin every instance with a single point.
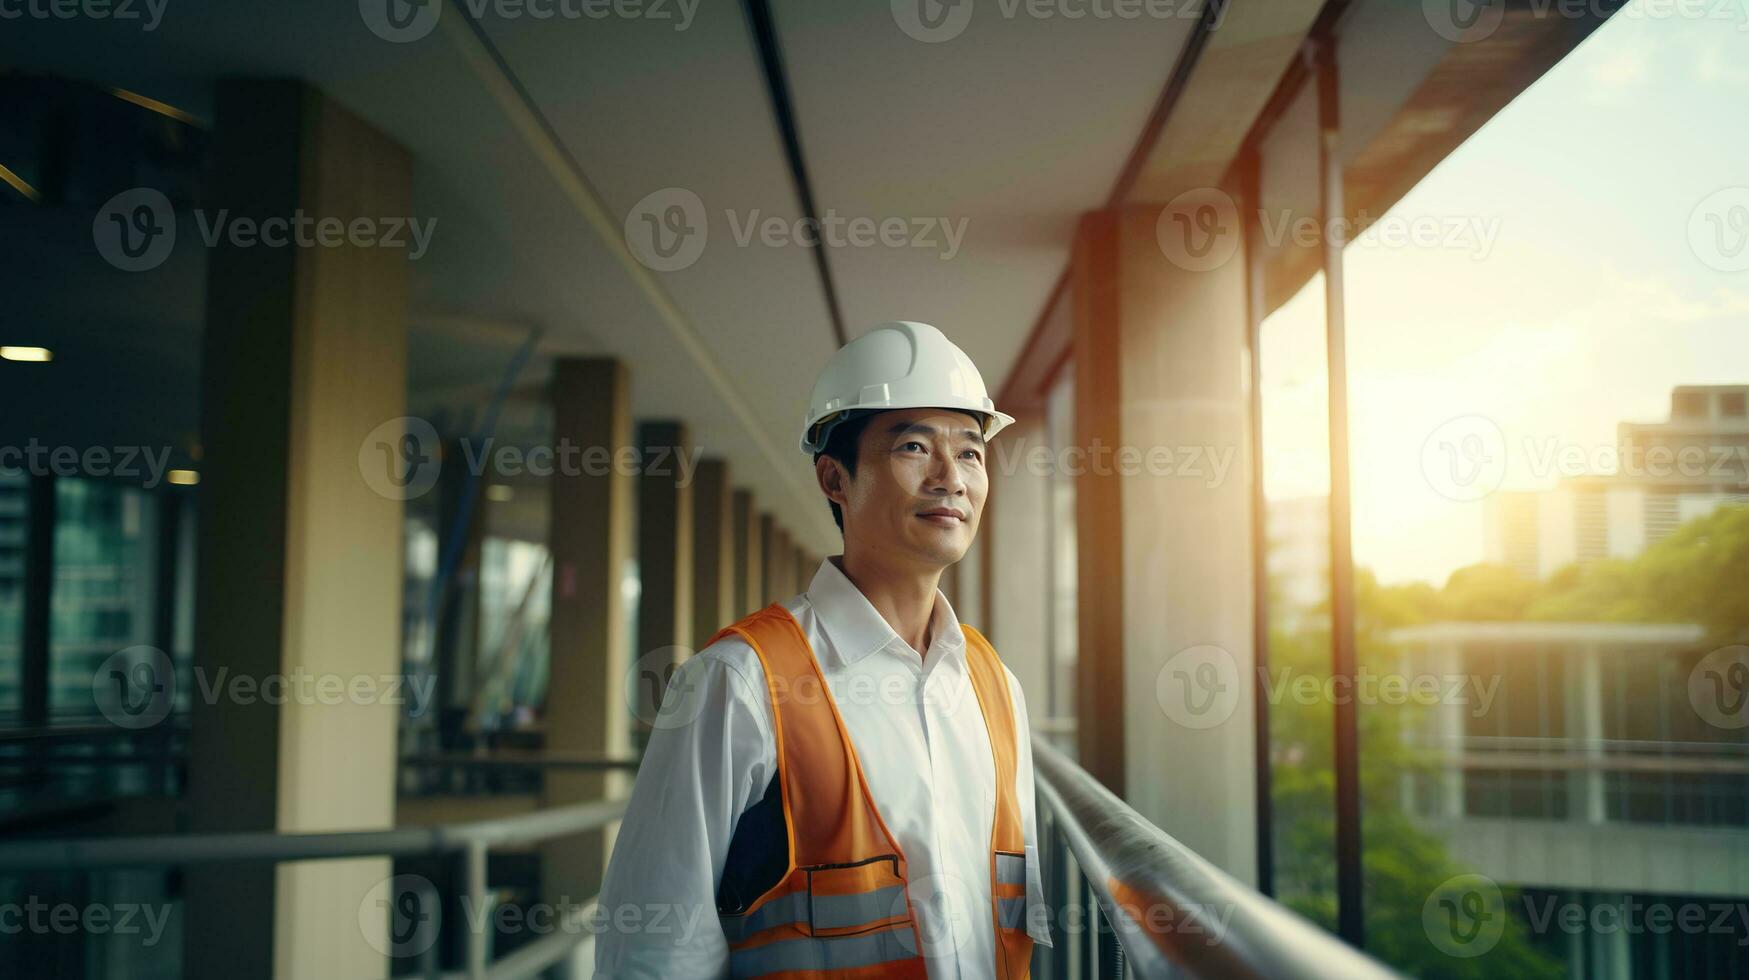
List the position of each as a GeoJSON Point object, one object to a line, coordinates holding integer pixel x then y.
{"type": "Point", "coordinates": [897, 365]}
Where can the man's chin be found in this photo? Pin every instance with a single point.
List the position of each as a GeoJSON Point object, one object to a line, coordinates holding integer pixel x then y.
{"type": "Point", "coordinates": [942, 554]}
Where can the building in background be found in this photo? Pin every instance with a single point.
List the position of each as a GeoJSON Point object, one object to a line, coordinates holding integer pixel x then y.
{"type": "Point", "coordinates": [1299, 558]}
{"type": "Point", "coordinates": [1572, 764]}
{"type": "Point", "coordinates": [1668, 473]}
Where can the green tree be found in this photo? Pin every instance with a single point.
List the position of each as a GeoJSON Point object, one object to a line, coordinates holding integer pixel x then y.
{"type": "Point", "coordinates": [1700, 574]}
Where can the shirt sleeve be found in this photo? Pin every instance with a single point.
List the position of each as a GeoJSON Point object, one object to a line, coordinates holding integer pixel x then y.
{"type": "Point", "coordinates": [709, 758]}
{"type": "Point", "coordinates": [1037, 911]}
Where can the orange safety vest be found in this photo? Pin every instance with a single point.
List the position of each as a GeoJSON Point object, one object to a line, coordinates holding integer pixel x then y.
{"type": "Point", "coordinates": [840, 907]}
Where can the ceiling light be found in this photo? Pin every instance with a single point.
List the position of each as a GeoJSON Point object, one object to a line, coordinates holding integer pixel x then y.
{"type": "Point", "coordinates": [20, 185]}
{"type": "Point", "coordinates": [38, 354]}
{"type": "Point", "coordinates": [183, 478]}
{"type": "Point", "coordinates": [499, 493]}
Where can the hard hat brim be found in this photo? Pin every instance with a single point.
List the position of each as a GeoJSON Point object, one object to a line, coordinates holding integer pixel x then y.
{"type": "Point", "coordinates": [819, 431]}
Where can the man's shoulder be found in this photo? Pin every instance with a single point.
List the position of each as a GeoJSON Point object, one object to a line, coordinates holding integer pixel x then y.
{"type": "Point", "coordinates": [731, 652]}
{"type": "Point", "coordinates": [731, 649]}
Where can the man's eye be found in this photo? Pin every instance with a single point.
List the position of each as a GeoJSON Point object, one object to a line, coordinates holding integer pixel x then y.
{"type": "Point", "coordinates": [913, 445]}
{"type": "Point", "coordinates": [972, 454]}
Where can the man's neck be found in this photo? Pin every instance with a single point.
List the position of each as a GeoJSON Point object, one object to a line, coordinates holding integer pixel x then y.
{"type": "Point", "coordinates": [905, 598]}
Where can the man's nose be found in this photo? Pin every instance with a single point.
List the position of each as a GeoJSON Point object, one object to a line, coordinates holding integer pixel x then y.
{"type": "Point", "coordinates": [945, 476]}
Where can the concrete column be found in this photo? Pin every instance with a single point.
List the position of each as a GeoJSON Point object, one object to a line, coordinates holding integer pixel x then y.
{"type": "Point", "coordinates": [784, 577]}
{"type": "Point", "coordinates": [749, 551]}
{"type": "Point", "coordinates": [779, 562]}
{"type": "Point", "coordinates": [591, 542]}
{"type": "Point", "coordinates": [1097, 311]}
{"type": "Point", "coordinates": [714, 604]}
{"type": "Point", "coordinates": [300, 544]}
{"type": "Point", "coordinates": [772, 558]}
{"type": "Point", "coordinates": [1164, 566]}
{"type": "Point", "coordinates": [664, 549]}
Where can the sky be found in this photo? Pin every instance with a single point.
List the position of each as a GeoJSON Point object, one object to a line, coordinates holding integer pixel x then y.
{"type": "Point", "coordinates": [1575, 299]}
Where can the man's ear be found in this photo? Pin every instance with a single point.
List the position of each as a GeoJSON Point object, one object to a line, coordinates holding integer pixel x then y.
{"type": "Point", "coordinates": [833, 479]}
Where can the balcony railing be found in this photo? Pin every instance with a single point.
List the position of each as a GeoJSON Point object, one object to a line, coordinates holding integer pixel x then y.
{"type": "Point", "coordinates": [1153, 908]}
{"type": "Point", "coordinates": [469, 842]}
{"type": "Point", "coordinates": [1157, 908]}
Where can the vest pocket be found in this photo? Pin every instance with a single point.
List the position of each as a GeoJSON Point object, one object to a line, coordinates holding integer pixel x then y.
{"type": "Point", "coordinates": [848, 899]}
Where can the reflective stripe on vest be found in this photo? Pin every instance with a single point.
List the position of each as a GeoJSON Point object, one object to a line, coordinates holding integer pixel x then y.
{"type": "Point", "coordinates": [842, 908]}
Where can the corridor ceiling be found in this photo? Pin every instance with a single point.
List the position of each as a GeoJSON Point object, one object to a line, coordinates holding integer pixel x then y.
{"type": "Point", "coordinates": [977, 141]}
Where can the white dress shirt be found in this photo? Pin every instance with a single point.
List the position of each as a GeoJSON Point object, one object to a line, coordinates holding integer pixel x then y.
{"type": "Point", "coordinates": [920, 737]}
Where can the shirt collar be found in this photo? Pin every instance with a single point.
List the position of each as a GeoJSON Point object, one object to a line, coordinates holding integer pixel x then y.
{"type": "Point", "coordinates": [856, 629]}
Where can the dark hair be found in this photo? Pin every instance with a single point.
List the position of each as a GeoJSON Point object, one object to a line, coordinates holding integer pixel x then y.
{"type": "Point", "coordinates": [842, 445]}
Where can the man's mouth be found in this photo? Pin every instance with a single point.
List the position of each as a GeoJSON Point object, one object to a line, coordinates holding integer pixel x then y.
{"type": "Point", "coordinates": [944, 516]}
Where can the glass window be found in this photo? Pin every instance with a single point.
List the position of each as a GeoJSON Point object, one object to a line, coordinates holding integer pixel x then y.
{"type": "Point", "coordinates": [515, 597]}
{"type": "Point", "coordinates": [103, 593]}
{"type": "Point", "coordinates": [1294, 395]}
{"type": "Point", "coordinates": [14, 515]}
{"type": "Point", "coordinates": [1530, 544]}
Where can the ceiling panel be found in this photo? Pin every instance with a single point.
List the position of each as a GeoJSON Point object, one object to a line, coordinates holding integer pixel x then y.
{"type": "Point", "coordinates": [1012, 125]}
{"type": "Point", "coordinates": [1009, 130]}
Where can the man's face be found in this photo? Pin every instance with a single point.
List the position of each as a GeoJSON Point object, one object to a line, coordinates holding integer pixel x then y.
{"type": "Point", "coordinates": [919, 487]}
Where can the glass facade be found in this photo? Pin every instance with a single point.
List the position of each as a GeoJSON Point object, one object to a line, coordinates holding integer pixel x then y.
{"type": "Point", "coordinates": [14, 513]}
{"type": "Point", "coordinates": [1545, 420]}
{"type": "Point", "coordinates": [103, 587]}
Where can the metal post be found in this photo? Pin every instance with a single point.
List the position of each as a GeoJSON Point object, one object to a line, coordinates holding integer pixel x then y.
{"type": "Point", "coordinates": [1090, 919]}
{"type": "Point", "coordinates": [1110, 950]}
{"type": "Point", "coordinates": [1349, 909]}
{"type": "Point", "coordinates": [430, 910]}
{"type": "Point", "coordinates": [476, 912]}
{"type": "Point", "coordinates": [1251, 197]}
{"type": "Point", "coordinates": [1057, 893]}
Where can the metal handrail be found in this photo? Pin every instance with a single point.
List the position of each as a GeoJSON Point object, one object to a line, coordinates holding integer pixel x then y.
{"type": "Point", "coordinates": [1174, 913]}
{"type": "Point", "coordinates": [1168, 911]}
{"type": "Point", "coordinates": [167, 850]}
{"type": "Point", "coordinates": [472, 840]}
{"type": "Point", "coordinates": [587, 761]}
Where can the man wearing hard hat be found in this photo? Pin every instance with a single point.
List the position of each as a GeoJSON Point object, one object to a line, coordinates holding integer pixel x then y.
{"type": "Point", "coordinates": [841, 783]}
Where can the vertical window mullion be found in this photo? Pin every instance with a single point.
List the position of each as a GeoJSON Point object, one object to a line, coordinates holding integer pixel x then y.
{"type": "Point", "coordinates": [1350, 911]}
